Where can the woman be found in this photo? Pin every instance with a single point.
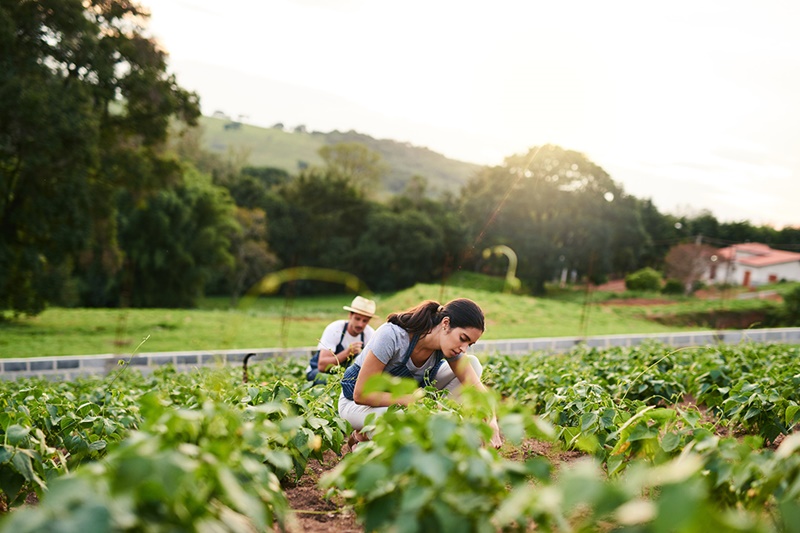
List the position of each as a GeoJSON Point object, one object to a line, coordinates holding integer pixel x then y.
{"type": "Point", "coordinates": [428, 343]}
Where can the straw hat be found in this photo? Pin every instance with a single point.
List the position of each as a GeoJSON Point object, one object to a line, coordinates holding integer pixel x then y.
{"type": "Point", "coordinates": [362, 306]}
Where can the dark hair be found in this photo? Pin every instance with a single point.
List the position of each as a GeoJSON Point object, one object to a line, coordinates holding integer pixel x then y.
{"type": "Point", "coordinates": [421, 319]}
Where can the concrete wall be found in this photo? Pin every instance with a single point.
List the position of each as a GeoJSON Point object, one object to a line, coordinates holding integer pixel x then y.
{"type": "Point", "coordinates": [70, 367]}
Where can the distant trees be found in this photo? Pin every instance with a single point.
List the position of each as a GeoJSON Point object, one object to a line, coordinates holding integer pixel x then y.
{"type": "Point", "coordinates": [550, 204]}
{"type": "Point", "coordinates": [97, 208]}
{"type": "Point", "coordinates": [363, 167]}
{"type": "Point", "coordinates": [175, 241]}
{"type": "Point", "coordinates": [687, 263]}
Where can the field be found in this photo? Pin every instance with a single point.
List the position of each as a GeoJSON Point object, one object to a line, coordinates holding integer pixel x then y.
{"type": "Point", "coordinates": [272, 322]}
{"type": "Point", "coordinates": [641, 439]}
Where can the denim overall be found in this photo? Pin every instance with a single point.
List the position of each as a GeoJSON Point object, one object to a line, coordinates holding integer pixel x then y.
{"type": "Point", "coordinates": [399, 369]}
{"type": "Point", "coordinates": [314, 375]}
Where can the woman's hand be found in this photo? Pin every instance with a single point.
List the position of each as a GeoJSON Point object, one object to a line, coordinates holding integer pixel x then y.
{"type": "Point", "coordinates": [497, 439]}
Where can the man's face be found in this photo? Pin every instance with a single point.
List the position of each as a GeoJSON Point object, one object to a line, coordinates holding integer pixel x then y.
{"type": "Point", "coordinates": [356, 323]}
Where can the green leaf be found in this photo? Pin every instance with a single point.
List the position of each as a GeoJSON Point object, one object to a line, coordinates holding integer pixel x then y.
{"type": "Point", "coordinates": [369, 476]}
{"type": "Point", "coordinates": [10, 482]}
{"type": "Point", "coordinates": [588, 421]}
{"type": "Point", "coordinates": [22, 463]}
{"type": "Point", "coordinates": [792, 415]}
{"type": "Point", "coordinates": [691, 417]}
{"type": "Point", "coordinates": [433, 466]}
{"type": "Point", "coordinates": [752, 412]}
{"type": "Point", "coordinates": [281, 460]}
{"type": "Point", "coordinates": [6, 453]}
{"type": "Point", "coordinates": [16, 435]}
{"type": "Point", "coordinates": [404, 458]}
{"type": "Point", "coordinates": [670, 441]}
{"type": "Point", "coordinates": [513, 427]}
{"type": "Point", "coordinates": [641, 431]}
{"type": "Point", "coordinates": [614, 463]}
{"type": "Point", "coordinates": [412, 500]}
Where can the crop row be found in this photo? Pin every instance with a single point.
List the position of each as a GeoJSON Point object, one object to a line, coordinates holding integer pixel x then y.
{"type": "Point", "coordinates": [697, 437]}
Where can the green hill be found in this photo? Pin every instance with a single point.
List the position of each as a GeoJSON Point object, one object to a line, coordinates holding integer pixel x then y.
{"type": "Point", "coordinates": [293, 151]}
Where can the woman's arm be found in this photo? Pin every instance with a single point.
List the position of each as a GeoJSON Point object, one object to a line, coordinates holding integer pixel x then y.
{"type": "Point", "coordinates": [371, 367]}
{"type": "Point", "coordinates": [467, 376]}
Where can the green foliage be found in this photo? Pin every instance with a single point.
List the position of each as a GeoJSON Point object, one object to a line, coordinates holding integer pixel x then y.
{"type": "Point", "coordinates": [201, 451]}
{"type": "Point", "coordinates": [646, 279]}
{"type": "Point", "coordinates": [354, 161]}
{"type": "Point", "coordinates": [183, 470]}
{"type": "Point", "coordinates": [396, 250]}
{"type": "Point", "coordinates": [84, 108]}
{"type": "Point", "coordinates": [791, 307]}
{"type": "Point", "coordinates": [672, 286]}
{"type": "Point", "coordinates": [426, 468]}
{"type": "Point", "coordinates": [176, 240]}
{"type": "Point", "coordinates": [558, 207]}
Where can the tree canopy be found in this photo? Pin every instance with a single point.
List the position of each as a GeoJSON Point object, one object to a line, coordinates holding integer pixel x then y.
{"type": "Point", "coordinates": [85, 105]}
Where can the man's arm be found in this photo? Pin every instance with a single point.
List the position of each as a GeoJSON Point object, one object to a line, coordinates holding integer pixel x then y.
{"type": "Point", "coordinates": [328, 359]}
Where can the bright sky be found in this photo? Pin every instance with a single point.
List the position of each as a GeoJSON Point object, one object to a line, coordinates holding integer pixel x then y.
{"type": "Point", "coordinates": [695, 105]}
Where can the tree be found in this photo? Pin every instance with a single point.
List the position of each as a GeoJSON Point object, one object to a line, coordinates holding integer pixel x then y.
{"type": "Point", "coordinates": [363, 167]}
{"type": "Point", "coordinates": [688, 262]}
{"type": "Point", "coordinates": [176, 240]}
{"type": "Point", "coordinates": [397, 250]}
{"type": "Point", "coordinates": [552, 203]}
{"type": "Point", "coordinates": [251, 254]}
{"type": "Point", "coordinates": [315, 220]}
{"type": "Point", "coordinates": [85, 104]}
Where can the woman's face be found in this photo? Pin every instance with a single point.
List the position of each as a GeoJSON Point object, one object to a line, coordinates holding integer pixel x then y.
{"type": "Point", "coordinates": [456, 340]}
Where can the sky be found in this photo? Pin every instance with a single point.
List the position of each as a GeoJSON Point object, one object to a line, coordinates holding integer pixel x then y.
{"type": "Point", "coordinates": [693, 104]}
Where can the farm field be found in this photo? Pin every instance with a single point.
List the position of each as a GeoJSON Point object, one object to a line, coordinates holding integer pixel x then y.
{"type": "Point", "coordinates": [274, 322]}
{"type": "Point", "coordinates": [640, 439]}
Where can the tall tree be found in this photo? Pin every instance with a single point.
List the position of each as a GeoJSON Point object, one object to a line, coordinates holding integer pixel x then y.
{"type": "Point", "coordinates": [688, 262]}
{"type": "Point", "coordinates": [356, 162]}
{"type": "Point", "coordinates": [316, 220]}
{"type": "Point", "coordinates": [556, 209]}
{"type": "Point", "coordinates": [85, 104]}
{"type": "Point", "coordinates": [176, 240]}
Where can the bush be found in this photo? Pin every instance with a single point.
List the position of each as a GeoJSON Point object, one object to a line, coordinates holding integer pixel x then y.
{"type": "Point", "coordinates": [673, 286]}
{"type": "Point", "coordinates": [791, 307]}
{"type": "Point", "coordinates": [645, 279]}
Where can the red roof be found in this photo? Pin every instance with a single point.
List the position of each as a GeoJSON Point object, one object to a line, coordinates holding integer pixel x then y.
{"type": "Point", "coordinates": [755, 254]}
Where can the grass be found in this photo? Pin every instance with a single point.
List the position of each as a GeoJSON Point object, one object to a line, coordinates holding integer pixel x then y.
{"type": "Point", "coordinates": [263, 146]}
{"type": "Point", "coordinates": [270, 322]}
{"type": "Point", "coordinates": [274, 322]}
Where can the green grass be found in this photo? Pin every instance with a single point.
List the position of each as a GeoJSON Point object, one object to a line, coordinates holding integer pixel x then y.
{"type": "Point", "coordinates": [264, 147]}
{"type": "Point", "coordinates": [275, 322]}
{"type": "Point", "coordinates": [278, 322]}
{"type": "Point", "coordinates": [270, 147]}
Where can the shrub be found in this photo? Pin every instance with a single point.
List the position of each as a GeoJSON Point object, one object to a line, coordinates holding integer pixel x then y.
{"type": "Point", "coordinates": [645, 279]}
{"type": "Point", "coordinates": [673, 286]}
{"type": "Point", "coordinates": [791, 307]}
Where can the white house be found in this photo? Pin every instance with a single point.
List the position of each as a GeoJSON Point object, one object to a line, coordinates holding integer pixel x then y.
{"type": "Point", "coordinates": [752, 264]}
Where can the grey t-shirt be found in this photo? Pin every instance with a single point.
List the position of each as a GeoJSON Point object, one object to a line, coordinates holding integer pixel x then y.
{"type": "Point", "coordinates": [389, 344]}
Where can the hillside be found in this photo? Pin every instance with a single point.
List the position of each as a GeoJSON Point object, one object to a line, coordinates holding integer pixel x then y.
{"type": "Point", "coordinates": [292, 151]}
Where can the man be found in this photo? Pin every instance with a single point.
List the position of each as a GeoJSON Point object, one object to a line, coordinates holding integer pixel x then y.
{"type": "Point", "coordinates": [342, 340]}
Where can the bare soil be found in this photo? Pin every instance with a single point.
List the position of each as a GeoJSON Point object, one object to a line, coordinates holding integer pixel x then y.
{"type": "Point", "coordinates": [312, 512]}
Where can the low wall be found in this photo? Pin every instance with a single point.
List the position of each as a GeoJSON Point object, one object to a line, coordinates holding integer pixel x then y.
{"type": "Point", "coordinates": [70, 367]}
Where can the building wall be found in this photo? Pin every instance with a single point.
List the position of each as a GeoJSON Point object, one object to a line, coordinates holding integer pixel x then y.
{"type": "Point", "coordinates": [736, 273]}
{"type": "Point", "coordinates": [760, 276]}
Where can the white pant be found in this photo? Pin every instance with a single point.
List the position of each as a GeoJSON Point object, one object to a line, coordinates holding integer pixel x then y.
{"type": "Point", "coordinates": [445, 379]}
